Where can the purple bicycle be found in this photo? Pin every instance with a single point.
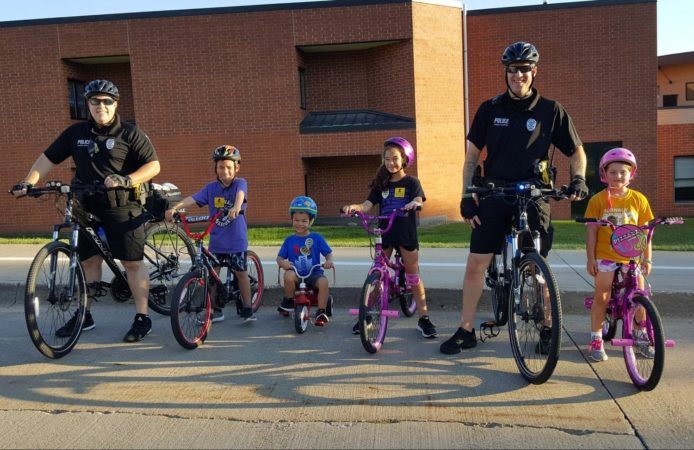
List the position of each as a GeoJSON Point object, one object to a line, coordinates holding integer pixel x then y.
{"type": "Point", "coordinates": [384, 283]}
{"type": "Point", "coordinates": [644, 354]}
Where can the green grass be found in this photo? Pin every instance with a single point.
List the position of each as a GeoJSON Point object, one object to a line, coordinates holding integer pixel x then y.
{"type": "Point", "coordinates": [567, 235]}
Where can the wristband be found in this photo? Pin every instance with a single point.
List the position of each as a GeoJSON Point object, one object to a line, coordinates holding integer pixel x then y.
{"type": "Point", "coordinates": [468, 196]}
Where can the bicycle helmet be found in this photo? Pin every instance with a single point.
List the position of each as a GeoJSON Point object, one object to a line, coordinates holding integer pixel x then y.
{"type": "Point", "coordinates": [96, 87]}
{"type": "Point", "coordinates": [406, 147]}
{"type": "Point", "coordinates": [617, 155]}
{"type": "Point", "coordinates": [304, 204]}
{"type": "Point", "coordinates": [520, 52]}
{"type": "Point", "coordinates": [226, 152]}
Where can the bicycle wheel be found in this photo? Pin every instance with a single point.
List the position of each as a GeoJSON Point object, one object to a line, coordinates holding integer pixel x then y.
{"type": "Point", "coordinates": [192, 309]}
{"type": "Point", "coordinates": [535, 342]}
{"type": "Point", "coordinates": [256, 277]}
{"type": "Point", "coordinates": [408, 305]}
{"type": "Point", "coordinates": [372, 324]}
{"type": "Point", "coordinates": [646, 358]}
{"type": "Point", "coordinates": [168, 255]}
{"type": "Point", "coordinates": [301, 318]}
{"type": "Point", "coordinates": [48, 304]}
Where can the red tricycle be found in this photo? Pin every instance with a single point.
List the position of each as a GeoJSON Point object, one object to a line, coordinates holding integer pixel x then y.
{"type": "Point", "coordinates": [304, 299]}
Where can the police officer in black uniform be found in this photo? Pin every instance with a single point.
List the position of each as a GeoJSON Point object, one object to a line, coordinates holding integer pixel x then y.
{"type": "Point", "coordinates": [517, 127]}
{"type": "Point", "coordinates": [119, 155]}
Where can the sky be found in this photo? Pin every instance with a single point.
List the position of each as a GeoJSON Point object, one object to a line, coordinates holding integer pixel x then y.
{"type": "Point", "coordinates": [675, 33]}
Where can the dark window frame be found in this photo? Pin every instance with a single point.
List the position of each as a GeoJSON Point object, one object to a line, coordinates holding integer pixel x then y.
{"type": "Point", "coordinates": [689, 91]}
{"type": "Point", "coordinates": [76, 100]}
{"type": "Point", "coordinates": [302, 88]}
{"type": "Point", "coordinates": [687, 192]}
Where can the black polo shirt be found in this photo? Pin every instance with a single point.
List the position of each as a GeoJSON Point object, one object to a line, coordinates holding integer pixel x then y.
{"type": "Point", "coordinates": [518, 134]}
{"type": "Point", "coordinates": [98, 152]}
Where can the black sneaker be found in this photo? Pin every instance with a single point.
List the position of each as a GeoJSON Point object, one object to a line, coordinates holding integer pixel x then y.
{"type": "Point", "coordinates": [67, 329]}
{"type": "Point", "coordinates": [427, 328]}
{"type": "Point", "coordinates": [542, 347]}
{"type": "Point", "coordinates": [247, 314]}
{"type": "Point", "coordinates": [217, 315]}
{"type": "Point", "coordinates": [142, 326]}
{"type": "Point", "coordinates": [460, 340]}
{"type": "Point", "coordinates": [355, 328]}
{"type": "Point", "coordinates": [287, 305]}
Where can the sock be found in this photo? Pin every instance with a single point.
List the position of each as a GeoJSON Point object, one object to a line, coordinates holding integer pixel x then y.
{"type": "Point", "coordinates": [596, 336]}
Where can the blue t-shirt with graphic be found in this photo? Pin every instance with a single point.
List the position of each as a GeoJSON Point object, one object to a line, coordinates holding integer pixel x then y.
{"type": "Point", "coordinates": [304, 252]}
{"type": "Point", "coordinates": [227, 236]}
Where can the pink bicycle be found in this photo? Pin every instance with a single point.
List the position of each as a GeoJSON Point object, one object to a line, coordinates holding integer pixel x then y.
{"type": "Point", "coordinates": [384, 283]}
{"type": "Point", "coordinates": [644, 355]}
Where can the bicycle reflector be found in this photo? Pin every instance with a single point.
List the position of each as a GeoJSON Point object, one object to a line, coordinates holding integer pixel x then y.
{"type": "Point", "coordinates": [628, 241]}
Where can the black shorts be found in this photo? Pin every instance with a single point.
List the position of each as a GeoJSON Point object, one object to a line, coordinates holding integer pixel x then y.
{"type": "Point", "coordinates": [497, 215]}
{"type": "Point", "coordinates": [234, 261]}
{"type": "Point", "coordinates": [125, 232]}
{"type": "Point", "coordinates": [312, 281]}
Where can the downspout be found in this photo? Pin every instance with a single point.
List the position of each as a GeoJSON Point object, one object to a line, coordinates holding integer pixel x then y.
{"type": "Point", "coordinates": [465, 93]}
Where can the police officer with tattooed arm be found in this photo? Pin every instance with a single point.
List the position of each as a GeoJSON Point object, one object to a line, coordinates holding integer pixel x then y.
{"type": "Point", "coordinates": [517, 128]}
{"type": "Point", "coordinates": [119, 155]}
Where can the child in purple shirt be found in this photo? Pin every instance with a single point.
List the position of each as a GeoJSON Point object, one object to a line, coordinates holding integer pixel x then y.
{"type": "Point", "coordinates": [228, 238]}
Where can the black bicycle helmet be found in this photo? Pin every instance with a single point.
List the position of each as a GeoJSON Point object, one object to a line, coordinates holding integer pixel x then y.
{"type": "Point", "coordinates": [520, 52]}
{"type": "Point", "coordinates": [226, 152]}
{"type": "Point", "coordinates": [96, 87]}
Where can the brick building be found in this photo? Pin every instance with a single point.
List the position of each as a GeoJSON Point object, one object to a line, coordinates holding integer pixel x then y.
{"type": "Point", "coordinates": [309, 91]}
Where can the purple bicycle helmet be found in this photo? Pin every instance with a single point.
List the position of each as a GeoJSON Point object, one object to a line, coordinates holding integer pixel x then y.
{"type": "Point", "coordinates": [617, 155]}
{"type": "Point", "coordinates": [405, 145]}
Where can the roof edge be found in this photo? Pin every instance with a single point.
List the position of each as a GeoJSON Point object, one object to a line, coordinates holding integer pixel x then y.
{"type": "Point", "coordinates": [555, 6]}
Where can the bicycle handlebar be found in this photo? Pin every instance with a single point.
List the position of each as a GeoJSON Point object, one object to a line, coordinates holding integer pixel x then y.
{"type": "Point", "coordinates": [304, 277]}
{"type": "Point", "coordinates": [366, 219]}
{"type": "Point", "coordinates": [521, 189]}
{"type": "Point", "coordinates": [185, 220]}
{"type": "Point", "coordinates": [649, 226]}
{"type": "Point", "coordinates": [58, 187]}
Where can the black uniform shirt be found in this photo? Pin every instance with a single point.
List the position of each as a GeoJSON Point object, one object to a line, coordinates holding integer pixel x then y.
{"type": "Point", "coordinates": [518, 134]}
{"type": "Point", "coordinates": [120, 148]}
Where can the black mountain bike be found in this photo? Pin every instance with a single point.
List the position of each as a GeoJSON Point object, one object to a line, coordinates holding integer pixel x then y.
{"type": "Point", "coordinates": [524, 291]}
{"type": "Point", "coordinates": [56, 287]}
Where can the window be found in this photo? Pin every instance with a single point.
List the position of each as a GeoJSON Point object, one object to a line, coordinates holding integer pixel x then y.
{"type": "Point", "coordinates": [75, 95]}
{"type": "Point", "coordinates": [669, 100]}
{"type": "Point", "coordinates": [689, 91]}
{"type": "Point", "coordinates": [302, 88]}
{"type": "Point", "coordinates": [684, 179]}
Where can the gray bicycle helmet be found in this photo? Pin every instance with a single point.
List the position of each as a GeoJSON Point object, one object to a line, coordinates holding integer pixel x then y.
{"type": "Point", "coordinates": [520, 52]}
{"type": "Point", "coordinates": [96, 87]}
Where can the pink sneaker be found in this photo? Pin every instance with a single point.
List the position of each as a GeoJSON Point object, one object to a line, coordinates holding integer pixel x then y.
{"type": "Point", "coordinates": [597, 351]}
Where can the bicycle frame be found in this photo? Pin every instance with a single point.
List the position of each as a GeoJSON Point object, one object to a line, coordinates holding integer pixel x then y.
{"type": "Point", "coordinates": [382, 263]}
{"type": "Point", "coordinates": [625, 285]}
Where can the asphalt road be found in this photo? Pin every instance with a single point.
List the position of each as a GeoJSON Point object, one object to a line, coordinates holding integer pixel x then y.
{"type": "Point", "coordinates": [261, 385]}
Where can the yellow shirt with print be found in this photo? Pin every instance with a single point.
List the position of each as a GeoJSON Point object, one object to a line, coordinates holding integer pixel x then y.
{"type": "Point", "coordinates": [633, 209]}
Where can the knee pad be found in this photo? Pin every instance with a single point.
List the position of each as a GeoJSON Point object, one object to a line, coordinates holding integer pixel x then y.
{"type": "Point", "coordinates": [411, 279]}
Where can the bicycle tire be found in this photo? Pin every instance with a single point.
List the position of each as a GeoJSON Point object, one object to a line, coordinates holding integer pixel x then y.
{"type": "Point", "coordinates": [192, 307]}
{"type": "Point", "coordinates": [535, 361]}
{"type": "Point", "coordinates": [645, 372]}
{"type": "Point", "coordinates": [408, 305]}
{"type": "Point", "coordinates": [168, 256]}
{"type": "Point", "coordinates": [256, 277]}
{"type": "Point", "coordinates": [301, 318]}
{"type": "Point", "coordinates": [45, 314]}
{"type": "Point", "coordinates": [372, 324]}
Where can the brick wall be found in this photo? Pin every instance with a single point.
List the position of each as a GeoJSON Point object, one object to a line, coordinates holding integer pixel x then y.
{"type": "Point", "coordinates": [598, 60]}
{"type": "Point", "coordinates": [673, 140]}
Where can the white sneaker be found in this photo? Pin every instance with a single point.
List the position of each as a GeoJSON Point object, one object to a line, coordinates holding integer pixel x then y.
{"type": "Point", "coordinates": [597, 351]}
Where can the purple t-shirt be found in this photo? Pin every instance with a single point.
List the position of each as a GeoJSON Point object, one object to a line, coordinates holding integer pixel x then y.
{"type": "Point", "coordinates": [304, 251]}
{"type": "Point", "coordinates": [227, 236]}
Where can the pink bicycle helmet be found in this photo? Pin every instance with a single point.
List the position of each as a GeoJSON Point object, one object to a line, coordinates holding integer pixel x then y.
{"type": "Point", "coordinates": [617, 155]}
{"type": "Point", "coordinates": [404, 145]}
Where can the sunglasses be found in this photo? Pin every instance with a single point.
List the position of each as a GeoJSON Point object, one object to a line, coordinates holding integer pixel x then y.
{"type": "Point", "coordinates": [516, 69]}
{"type": "Point", "coordinates": [105, 101]}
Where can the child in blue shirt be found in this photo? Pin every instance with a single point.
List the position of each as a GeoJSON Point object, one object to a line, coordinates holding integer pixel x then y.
{"type": "Point", "coordinates": [303, 250]}
{"type": "Point", "coordinates": [228, 238]}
